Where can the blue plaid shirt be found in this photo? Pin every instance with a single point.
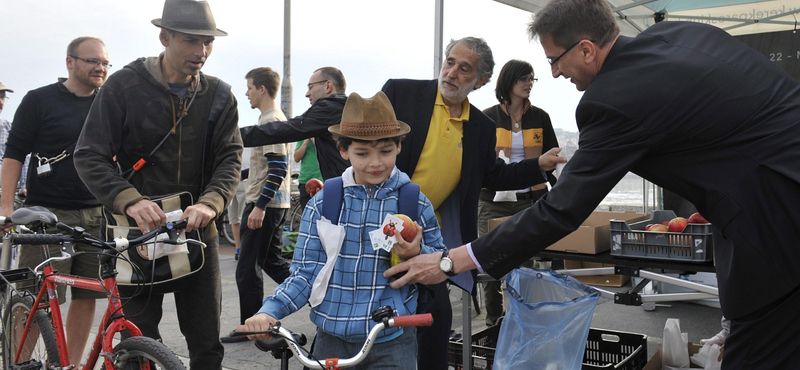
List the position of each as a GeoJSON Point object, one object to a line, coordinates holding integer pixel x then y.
{"type": "Point", "coordinates": [5, 128]}
{"type": "Point", "coordinates": [357, 286]}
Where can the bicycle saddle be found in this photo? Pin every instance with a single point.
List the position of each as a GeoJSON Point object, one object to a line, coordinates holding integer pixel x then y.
{"type": "Point", "coordinates": [32, 215]}
{"type": "Point", "coordinates": [279, 342]}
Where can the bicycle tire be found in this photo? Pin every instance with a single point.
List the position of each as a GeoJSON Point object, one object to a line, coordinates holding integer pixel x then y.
{"type": "Point", "coordinates": [41, 341]}
{"type": "Point", "coordinates": [295, 215]}
{"type": "Point", "coordinates": [130, 352]}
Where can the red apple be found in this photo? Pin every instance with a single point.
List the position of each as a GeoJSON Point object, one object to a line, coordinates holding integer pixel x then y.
{"type": "Point", "coordinates": [697, 218]}
{"type": "Point", "coordinates": [677, 224]}
{"type": "Point", "coordinates": [409, 228]}
{"type": "Point", "coordinates": [665, 223]}
{"type": "Point", "coordinates": [659, 228]}
{"type": "Point", "coordinates": [313, 186]}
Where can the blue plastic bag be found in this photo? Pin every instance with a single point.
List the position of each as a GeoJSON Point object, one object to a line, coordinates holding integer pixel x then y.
{"type": "Point", "coordinates": [547, 322]}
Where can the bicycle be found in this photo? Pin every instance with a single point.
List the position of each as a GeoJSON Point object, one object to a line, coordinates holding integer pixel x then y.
{"type": "Point", "coordinates": [29, 339]}
{"type": "Point", "coordinates": [224, 228]}
{"type": "Point", "coordinates": [285, 340]}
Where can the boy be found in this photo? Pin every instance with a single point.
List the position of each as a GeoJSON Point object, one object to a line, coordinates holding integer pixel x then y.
{"type": "Point", "coordinates": [369, 136]}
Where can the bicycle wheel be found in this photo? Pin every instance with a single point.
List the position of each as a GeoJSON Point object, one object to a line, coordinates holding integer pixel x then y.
{"type": "Point", "coordinates": [295, 214]}
{"type": "Point", "coordinates": [133, 352]}
{"type": "Point", "coordinates": [228, 231]}
{"type": "Point", "coordinates": [40, 344]}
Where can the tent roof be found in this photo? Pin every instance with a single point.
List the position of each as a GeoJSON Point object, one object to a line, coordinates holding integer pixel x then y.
{"type": "Point", "coordinates": [738, 17]}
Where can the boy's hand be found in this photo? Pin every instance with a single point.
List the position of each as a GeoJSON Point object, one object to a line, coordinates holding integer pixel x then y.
{"type": "Point", "coordinates": [259, 322]}
{"type": "Point", "coordinates": [406, 250]}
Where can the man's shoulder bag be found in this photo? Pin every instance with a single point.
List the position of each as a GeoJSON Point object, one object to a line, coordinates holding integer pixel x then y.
{"type": "Point", "coordinates": [142, 265]}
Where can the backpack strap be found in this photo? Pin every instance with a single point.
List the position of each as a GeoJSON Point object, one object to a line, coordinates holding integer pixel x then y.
{"type": "Point", "coordinates": [333, 196]}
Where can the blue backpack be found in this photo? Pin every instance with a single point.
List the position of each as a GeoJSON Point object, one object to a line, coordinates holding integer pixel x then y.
{"type": "Point", "coordinates": [333, 196]}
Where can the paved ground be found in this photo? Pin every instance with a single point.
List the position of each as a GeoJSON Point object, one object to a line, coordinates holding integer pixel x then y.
{"type": "Point", "coordinates": [698, 320]}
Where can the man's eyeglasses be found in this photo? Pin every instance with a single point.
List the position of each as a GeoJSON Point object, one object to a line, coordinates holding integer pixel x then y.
{"type": "Point", "coordinates": [554, 61]}
{"type": "Point", "coordinates": [528, 79]}
{"type": "Point", "coordinates": [93, 62]}
{"type": "Point", "coordinates": [310, 84]}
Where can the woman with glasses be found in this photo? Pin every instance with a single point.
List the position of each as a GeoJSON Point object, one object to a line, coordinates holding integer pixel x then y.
{"type": "Point", "coordinates": [523, 131]}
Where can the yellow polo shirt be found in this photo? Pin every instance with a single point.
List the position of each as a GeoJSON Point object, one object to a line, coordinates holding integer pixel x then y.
{"type": "Point", "coordinates": [438, 170]}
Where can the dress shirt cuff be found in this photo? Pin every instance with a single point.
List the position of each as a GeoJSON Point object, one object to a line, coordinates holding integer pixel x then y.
{"type": "Point", "coordinates": [474, 260]}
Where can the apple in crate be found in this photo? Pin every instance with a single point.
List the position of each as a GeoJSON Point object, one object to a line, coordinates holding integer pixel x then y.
{"type": "Point", "coordinates": [657, 228]}
{"type": "Point", "coordinates": [697, 218]}
{"type": "Point", "coordinates": [313, 186]}
{"type": "Point", "coordinates": [409, 227]}
{"type": "Point", "coordinates": [677, 224]}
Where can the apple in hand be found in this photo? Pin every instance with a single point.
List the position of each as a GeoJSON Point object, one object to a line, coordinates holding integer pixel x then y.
{"type": "Point", "coordinates": [313, 186]}
{"type": "Point", "coordinates": [677, 224]}
{"type": "Point", "coordinates": [697, 218]}
{"type": "Point", "coordinates": [657, 228]}
{"type": "Point", "coordinates": [409, 228]}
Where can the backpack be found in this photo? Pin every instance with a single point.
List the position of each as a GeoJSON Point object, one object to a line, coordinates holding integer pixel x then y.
{"type": "Point", "coordinates": [333, 196]}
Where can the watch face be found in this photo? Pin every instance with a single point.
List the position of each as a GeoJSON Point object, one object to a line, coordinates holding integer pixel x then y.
{"type": "Point", "coordinates": [446, 265]}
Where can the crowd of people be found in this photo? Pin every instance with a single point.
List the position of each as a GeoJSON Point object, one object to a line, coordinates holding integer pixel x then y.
{"type": "Point", "coordinates": [111, 144]}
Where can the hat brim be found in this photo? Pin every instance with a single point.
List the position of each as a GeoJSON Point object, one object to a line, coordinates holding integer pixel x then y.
{"type": "Point", "coordinates": [218, 32]}
{"type": "Point", "coordinates": [404, 130]}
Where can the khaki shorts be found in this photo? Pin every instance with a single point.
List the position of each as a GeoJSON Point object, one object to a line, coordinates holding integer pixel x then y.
{"type": "Point", "coordinates": [86, 265]}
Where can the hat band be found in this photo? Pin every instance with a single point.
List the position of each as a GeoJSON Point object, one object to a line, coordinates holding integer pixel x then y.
{"type": "Point", "coordinates": [369, 129]}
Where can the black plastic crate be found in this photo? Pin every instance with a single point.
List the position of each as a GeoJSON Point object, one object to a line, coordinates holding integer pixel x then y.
{"type": "Point", "coordinates": [605, 349]}
{"type": "Point", "coordinates": [693, 244]}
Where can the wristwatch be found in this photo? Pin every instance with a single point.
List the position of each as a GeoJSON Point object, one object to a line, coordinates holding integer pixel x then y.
{"type": "Point", "coordinates": [446, 264]}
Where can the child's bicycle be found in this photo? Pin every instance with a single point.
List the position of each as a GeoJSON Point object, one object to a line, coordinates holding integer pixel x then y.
{"type": "Point", "coordinates": [285, 340]}
{"type": "Point", "coordinates": [32, 339]}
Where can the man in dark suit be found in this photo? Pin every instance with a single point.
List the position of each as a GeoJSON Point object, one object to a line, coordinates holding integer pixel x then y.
{"type": "Point", "coordinates": [692, 109]}
{"type": "Point", "coordinates": [450, 154]}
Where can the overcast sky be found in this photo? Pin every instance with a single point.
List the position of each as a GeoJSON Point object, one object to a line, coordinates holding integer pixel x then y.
{"type": "Point", "coordinates": [369, 40]}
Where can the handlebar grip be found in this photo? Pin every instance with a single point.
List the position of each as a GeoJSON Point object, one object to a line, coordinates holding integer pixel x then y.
{"type": "Point", "coordinates": [36, 239]}
{"type": "Point", "coordinates": [424, 319]}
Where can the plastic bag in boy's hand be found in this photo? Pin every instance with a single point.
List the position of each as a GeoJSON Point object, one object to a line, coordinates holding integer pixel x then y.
{"type": "Point", "coordinates": [675, 351]}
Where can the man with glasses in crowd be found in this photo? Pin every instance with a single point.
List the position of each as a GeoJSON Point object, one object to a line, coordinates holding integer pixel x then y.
{"type": "Point", "coordinates": [47, 124]}
{"type": "Point", "coordinates": [690, 108]}
{"type": "Point", "coordinates": [5, 129]}
{"type": "Point", "coordinates": [326, 92]}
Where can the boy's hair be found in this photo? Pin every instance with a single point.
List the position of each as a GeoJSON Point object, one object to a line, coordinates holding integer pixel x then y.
{"type": "Point", "coordinates": [343, 143]}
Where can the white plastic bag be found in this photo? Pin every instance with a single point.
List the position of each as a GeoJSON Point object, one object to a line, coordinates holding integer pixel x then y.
{"type": "Point", "coordinates": [505, 195]}
{"type": "Point", "coordinates": [707, 357]}
{"type": "Point", "coordinates": [675, 351]}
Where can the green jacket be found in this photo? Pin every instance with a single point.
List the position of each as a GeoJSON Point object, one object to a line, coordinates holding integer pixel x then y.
{"type": "Point", "coordinates": [131, 114]}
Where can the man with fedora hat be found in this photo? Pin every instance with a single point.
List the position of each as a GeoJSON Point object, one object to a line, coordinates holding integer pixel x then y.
{"type": "Point", "coordinates": [171, 128]}
{"type": "Point", "coordinates": [343, 281]}
{"type": "Point", "coordinates": [5, 129]}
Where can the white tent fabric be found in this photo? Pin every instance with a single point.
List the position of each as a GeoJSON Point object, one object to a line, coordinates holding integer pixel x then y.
{"type": "Point", "coordinates": [738, 17]}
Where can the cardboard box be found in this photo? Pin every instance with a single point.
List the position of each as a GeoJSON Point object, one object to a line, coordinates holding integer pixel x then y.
{"type": "Point", "coordinates": [592, 237]}
{"type": "Point", "coordinates": [600, 280]}
{"type": "Point", "coordinates": [655, 362]}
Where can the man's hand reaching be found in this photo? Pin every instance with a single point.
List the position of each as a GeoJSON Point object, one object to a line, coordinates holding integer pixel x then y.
{"type": "Point", "coordinates": [549, 160]}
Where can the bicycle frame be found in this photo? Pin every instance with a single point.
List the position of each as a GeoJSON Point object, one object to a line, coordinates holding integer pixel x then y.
{"type": "Point", "coordinates": [109, 325]}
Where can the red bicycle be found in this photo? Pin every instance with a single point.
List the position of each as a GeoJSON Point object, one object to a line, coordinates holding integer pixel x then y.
{"type": "Point", "coordinates": [284, 340]}
{"type": "Point", "coordinates": [32, 334]}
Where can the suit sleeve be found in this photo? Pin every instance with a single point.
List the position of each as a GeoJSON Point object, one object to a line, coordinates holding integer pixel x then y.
{"type": "Point", "coordinates": [314, 122]}
{"type": "Point", "coordinates": [611, 144]}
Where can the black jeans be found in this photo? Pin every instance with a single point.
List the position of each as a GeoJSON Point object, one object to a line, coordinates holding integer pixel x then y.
{"type": "Point", "coordinates": [433, 340]}
{"type": "Point", "coordinates": [198, 301]}
{"type": "Point", "coordinates": [260, 250]}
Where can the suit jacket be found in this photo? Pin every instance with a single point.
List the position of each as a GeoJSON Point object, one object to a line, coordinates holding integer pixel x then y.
{"type": "Point", "coordinates": [325, 113]}
{"type": "Point", "coordinates": [691, 109]}
{"type": "Point", "coordinates": [413, 102]}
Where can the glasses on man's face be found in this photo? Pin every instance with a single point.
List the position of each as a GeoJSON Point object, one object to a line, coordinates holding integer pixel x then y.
{"type": "Point", "coordinates": [93, 62]}
{"type": "Point", "coordinates": [554, 61]}
{"type": "Point", "coordinates": [526, 79]}
{"type": "Point", "coordinates": [311, 84]}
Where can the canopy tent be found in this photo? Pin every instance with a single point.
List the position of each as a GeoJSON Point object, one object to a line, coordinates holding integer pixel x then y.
{"type": "Point", "coordinates": [738, 17]}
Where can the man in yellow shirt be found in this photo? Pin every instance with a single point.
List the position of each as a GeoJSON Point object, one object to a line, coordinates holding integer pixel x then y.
{"type": "Point", "coordinates": [450, 154]}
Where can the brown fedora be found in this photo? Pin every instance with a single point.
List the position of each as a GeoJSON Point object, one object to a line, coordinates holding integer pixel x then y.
{"type": "Point", "coordinates": [369, 119]}
{"type": "Point", "coordinates": [4, 88]}
{"type": "Point", "coordinates": [189, 16]}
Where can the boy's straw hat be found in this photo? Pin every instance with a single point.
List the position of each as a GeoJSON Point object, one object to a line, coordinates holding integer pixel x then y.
{"type": "Point", "coordinates": [369, 119]}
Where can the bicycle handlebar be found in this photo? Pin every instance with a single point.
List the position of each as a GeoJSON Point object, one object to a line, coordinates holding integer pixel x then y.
{"type": "Point", "coordinates": [279, 331]}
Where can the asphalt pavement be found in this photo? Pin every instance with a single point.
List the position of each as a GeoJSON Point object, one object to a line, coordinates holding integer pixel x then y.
{"type": "Point", "coordinates": [699, 321]}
